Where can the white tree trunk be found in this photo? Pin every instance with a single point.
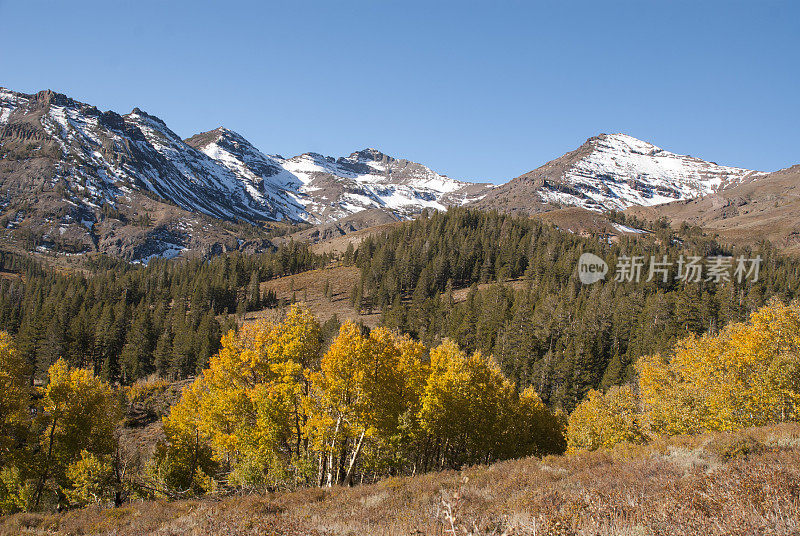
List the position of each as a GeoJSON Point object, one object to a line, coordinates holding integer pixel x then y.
{"type": "Point", "coordinates": [349, 477]}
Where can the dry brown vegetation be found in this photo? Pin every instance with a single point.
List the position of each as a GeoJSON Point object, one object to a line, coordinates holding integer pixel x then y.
{"type": "Point", "coordinates": [309, 287]}
{"type": "Point", "coordinates": [746, 483]}
{"type": "Point", "coordinates": [767, 208]}
{"type": "Point", "coordinates": [13, 276]}
{"type": "Point", "coordinates": [460, 294]}
{"type": "Point", "coordinates": [339, 244]}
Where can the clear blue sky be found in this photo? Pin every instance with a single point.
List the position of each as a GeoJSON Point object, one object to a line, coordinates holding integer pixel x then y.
{"type": "Point", "coordinates": [474, 90]}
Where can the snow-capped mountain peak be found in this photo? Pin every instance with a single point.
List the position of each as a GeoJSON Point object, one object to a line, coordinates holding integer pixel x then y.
{"type": "Point", "coordinates": [622, 143]}
{"type": "Point", "coordinates": [325, 189]}
{"type": "Point", "coordinates": [615, 171]}
{"type": "Point", "coordinates": [621, 171]}
{"type": "Point", "coordinates": [261, 175]}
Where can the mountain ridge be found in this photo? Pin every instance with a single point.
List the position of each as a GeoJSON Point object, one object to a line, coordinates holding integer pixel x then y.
{"type": "Point", "coordinates": [78, 179]}
{"type": "Point", "coordinates": [75, 179]}
{"type": "Point", "coordinates": [326, 189]}
{"type": "Point", "coordinates": [767, 208]}
{"type": "Point", "coordinates": [613, 172]}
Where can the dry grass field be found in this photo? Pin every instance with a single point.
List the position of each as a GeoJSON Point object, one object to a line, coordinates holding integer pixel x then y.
{"type": "Point", "coordinates": [746, 484]}
{"type": "Point", "coordinates": [339, 244]}
{"type": "Point", "coordinates": [766, 209]}
{"type": "Point", "coordinates": [309, 287]}
{"type": "Point", "coordinates": [460, 294]}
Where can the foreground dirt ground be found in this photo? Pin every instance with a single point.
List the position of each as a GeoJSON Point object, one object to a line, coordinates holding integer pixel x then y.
{"type": "Point", "coordinates": [747, 483]}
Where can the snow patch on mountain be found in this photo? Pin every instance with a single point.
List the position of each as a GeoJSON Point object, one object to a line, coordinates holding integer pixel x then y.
{"type": "Point", "coordinates": [621, 171]}
{"type": "Point", "coordinates": [316, 188]}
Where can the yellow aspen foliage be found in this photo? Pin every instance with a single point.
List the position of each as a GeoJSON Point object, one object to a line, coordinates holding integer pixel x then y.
{"type": "Point", "coordinates": [15, 399]}
{"type": "Point", "coordinates": [747, 375]}
{"type": "Point", "coordinates": [92, 479]}
{"type": "Point", "coordinates": [445, 412]}
{"type": "Point", "coordinates": [247, 406]}
{"type": "Point", "coordinates": [475, 414]}
{"type": "Point", "coordinates": [604, 419]}
{"type": "Point", "coordinates": [392, 376]}
{"type": "Point", "coordinates": [534, 429]}
{"type": "Point", "coordinates": [336, 397]}
{"type": "Point", "coordinates": [186, 461]}
{"type": "Point", "coordinates": [366, 384]}
{"type": "Point", "coordinates": [270, 412]}
{"type": "Point", "coordinates": [79, 413]}
{"type": "Point", "coordinates": [16, 492]}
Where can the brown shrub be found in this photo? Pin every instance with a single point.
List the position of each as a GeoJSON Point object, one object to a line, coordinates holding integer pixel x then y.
{"type": "Point", "coordinates": [626, 491]}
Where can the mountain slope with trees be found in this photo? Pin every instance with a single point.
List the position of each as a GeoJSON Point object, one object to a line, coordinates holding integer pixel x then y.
{"type": "Point", "coordinates": [548, 330]}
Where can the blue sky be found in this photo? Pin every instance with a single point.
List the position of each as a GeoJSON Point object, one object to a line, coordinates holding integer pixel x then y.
{"type": "Point", "coordinates": [474, 90]}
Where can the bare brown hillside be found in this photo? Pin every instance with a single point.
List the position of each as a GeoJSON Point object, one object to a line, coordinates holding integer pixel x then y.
{"type": "Point", "coordinates": [309, 287]}
{"type": "Point", "coordinates": [766, 208]}
{"type": "Point", "coordinates": [743, 484]}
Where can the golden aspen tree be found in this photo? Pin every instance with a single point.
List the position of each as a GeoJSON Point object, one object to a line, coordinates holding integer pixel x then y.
{"type": "Point", "coordinates": [79, 413]}
{"type": "Point", "coordinates": [604, 419]}
{"type": "Point", "coordinates": [336, 400]}
{"type": "Point", "coordinates": [364, 395]}
{"type": "Point", "coordinates": [671, 391]}
{"type": "Point", "coordinates": [247, 406]}
{"type": "Point", "coordinates": [15, 419]}
{"type": "Point", "coordinates": [747, 375]}
{"type": "Point", "coordinates": [185, 462]}
{"type": "Point", "coordinates": [92, 479]}
{"type": "Point", "coordinates": [533, 428]}
{"type": "Point", "coordinates": [444, 411]}
{"type": "Point", "coordinates": [467, 406]}
{"type": "Point", "coordinates": [15, 399]}
{"type": "Point", "coordinates": [392, 378]}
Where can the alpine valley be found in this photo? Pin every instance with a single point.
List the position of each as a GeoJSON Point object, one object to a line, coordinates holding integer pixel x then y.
{"type": "Point", "coordinates": [77, 180]}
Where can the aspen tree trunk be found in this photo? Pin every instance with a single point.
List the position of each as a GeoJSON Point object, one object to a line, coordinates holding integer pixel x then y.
{"type": "Point", "coordinates": [321, 470]}
{"type": "Point", "coordinates": [342, 459]}
{"type": "Point", "coordinates": [297, 428]}
{"type": "Point", "coordinates": [45, 474]}
{"type": "Point", "coordinates": [348, 479]}
{"type": "Point", "coordinates": [331, 463]}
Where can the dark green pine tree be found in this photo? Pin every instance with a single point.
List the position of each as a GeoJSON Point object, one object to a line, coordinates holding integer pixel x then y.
{"type": "Point", "coordinates": [163, 353]}
{"type": "Point", "coordinates": [253, 292]}
{"type": "Point", "coordinates": [136, 357]}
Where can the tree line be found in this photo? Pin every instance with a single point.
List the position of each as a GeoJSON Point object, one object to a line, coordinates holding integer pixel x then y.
{"type": "Point", "coordinates": [124, 321]}
{"type": "Point", "coordinates": [526, 306]}
{"type": "Point", "coordinates": [746, 375]}
{"type": "Point", "coordinates": [274, 409]}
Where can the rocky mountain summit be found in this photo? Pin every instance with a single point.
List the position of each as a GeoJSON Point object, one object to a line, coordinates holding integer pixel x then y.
{"type": "Point", "coordinates": [323, 189]}
{"type": "Point", "coordinates": [74, 179]}
{"type": "Point", "coordinates": [613, 172]}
